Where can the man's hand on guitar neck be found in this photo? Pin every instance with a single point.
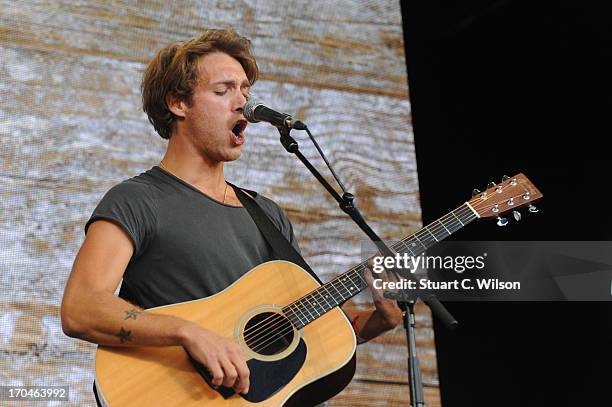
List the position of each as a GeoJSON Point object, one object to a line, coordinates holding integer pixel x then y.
{"type": "Point", "coordinates": [370, 323]}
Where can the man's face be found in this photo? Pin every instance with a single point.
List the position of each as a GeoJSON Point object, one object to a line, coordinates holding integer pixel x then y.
{"type": "Point", "coordinates": [214, 120]}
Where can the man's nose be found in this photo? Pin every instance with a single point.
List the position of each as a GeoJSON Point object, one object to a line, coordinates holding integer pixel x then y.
{"type": "Point", "coordinates": [240, 102]}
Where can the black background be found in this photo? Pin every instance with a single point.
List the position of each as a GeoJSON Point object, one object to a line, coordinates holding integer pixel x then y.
{"type": "Point", "coordinates": [501, 87]}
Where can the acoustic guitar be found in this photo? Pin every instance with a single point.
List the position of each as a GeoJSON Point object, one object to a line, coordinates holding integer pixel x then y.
{"type": "Point", "coordinates": [300, 347]}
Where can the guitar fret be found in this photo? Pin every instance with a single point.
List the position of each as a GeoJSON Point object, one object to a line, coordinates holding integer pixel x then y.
{"type": "Point", "coordinates": [406, 248]}
{"type": "Point", "coordinates": [434, 236]}
{"type": "Point", "coordinates": [324, 287]}
{"type": "Point", "coordinates": [439, 229]}
{"type": "Point", "coordinates": [453, 213]}
{"type": "Point", "coordinates": [448, 231]}
{"type": "Point", "coordinates": [451, 225]}
{"type": "Point", "coordinates": [444, 232]}
{"type": "Point", "coordinates": [456, 224]}
{"type": "Point", "coordinates": [312, 317]}
{"type": "Point", "coordinates": [324, 297]}
{"type": "Point", "coordinates": [413, 244]}
{"type": "Point", "coordinates": [469, 213]}
{"type": "Point", "coordinates": [309, 308]}
{"type": "Point", "coordinates": [291, 308]}
{"type": "Point", "coordinates": [329, 299]}
{"type": "Point", "coordinates": [325, 307]}
{"type": "Point", "coordinates": [316, 303]}
{"type": "Point", "coordinates": [428, 242]}
{"type": "Point", "coordinates": [338, 287]}
{"type": "Point", "coordinates": [331, 283]}
{"type": "Point", "coordinates": [308, 319]}
{"type": "Point", "coordinates": [360, 281]}
{"type": "Point", "coordinates": [419, 240]}
{"type": "Point", "coordinates": [340, 280]}
{"type": "Point", "coordinates": [352, 286]}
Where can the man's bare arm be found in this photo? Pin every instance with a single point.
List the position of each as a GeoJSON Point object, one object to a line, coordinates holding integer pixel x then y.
{"type": "Point", "coordinates": [90, 310]}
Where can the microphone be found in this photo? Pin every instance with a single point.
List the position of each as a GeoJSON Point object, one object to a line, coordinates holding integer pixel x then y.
{"type": "Point", "coordinates": [255, 111]}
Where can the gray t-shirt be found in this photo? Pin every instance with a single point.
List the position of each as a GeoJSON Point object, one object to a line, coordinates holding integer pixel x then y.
{"type": "Point", "coordinates": [186, 245]}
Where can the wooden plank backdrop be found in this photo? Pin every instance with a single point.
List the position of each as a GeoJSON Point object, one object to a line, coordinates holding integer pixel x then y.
{"type": "Point", "coordinates": [71, 126]}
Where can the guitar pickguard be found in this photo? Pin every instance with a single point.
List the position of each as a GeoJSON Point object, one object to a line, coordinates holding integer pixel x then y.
{"type": "Point", "coordinates": [266, 377]}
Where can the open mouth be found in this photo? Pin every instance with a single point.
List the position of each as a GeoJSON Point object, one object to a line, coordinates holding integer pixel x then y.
{"type": "Point", "coordinates": [239, 127]}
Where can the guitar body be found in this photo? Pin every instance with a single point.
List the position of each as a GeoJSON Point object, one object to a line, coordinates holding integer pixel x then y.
{"type": "Point", "coordinates": [302, 368]}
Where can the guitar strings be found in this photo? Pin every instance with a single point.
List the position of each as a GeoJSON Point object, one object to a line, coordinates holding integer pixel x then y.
{"type": "Point", "coordinates": [331, 283]}
{"type": "Point", "coordinates": [264, 341]}
{"type": "Point", "coordinates": [259, 339]}
{"type": "Point", "coordinates": [271, 336]}
{"type": "Point", "coordinates": [278, 319]}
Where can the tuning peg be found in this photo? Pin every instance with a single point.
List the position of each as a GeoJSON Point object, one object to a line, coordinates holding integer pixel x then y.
{"type": "Point", "coordinates": [505, 177]}
{"type": "Point", "coordinates": [475, 192]}
{"type": "Point", "coordinates": [491, 185]}
{"type": "Point", "coordinates": [533, 209]}
{"type": "Point", "coordinates": [502, 221]}
{"type": "Point", "coordinates": [517, 215]}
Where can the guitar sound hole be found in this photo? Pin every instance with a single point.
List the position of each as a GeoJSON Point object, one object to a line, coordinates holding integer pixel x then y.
{"type": "Point", "coordinates": [268, 333]}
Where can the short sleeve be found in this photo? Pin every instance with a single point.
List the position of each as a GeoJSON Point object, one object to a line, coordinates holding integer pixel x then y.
{"type": "Point", "coordinates": [131, 206]}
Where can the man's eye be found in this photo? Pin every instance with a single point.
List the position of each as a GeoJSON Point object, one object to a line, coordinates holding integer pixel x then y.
{"type": "Point", "coordinates": [220, 92]}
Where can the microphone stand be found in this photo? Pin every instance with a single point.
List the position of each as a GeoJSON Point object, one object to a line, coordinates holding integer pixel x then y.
{"type": "Point", "coordinates": [406, 305]}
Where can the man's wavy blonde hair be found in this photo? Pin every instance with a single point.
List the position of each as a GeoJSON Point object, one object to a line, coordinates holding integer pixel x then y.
{"type": "Point", "coordinates": [174, 72]}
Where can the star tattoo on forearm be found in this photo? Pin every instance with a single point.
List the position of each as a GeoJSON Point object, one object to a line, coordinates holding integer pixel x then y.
{"type": "Point", "coordinates": [132, 314]}
{"type": "Point", "coordinates": [125, 336]}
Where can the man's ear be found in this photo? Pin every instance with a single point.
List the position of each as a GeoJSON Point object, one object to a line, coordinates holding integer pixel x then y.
{"type": "Point", "coordinates": [176, 105]}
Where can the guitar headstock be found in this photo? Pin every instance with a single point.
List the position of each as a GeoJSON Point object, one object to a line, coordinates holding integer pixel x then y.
{"type": "Point", "coordinates": [510, 194]}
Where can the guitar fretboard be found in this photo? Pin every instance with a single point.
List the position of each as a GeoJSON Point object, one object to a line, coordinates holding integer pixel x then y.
{"type": "Point", "coordinates": [345, 286]}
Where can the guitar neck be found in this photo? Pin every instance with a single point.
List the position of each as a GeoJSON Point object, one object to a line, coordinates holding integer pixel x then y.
{"type": "Point", "coordinates": [345, 286]}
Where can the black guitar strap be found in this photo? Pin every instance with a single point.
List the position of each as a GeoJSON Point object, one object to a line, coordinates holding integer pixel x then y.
{"type": "Point", "coordinates": [281, 247]}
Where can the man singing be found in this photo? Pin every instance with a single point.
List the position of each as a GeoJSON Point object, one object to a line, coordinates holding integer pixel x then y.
{"type": "Point", "coordinates": [178, 232]}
